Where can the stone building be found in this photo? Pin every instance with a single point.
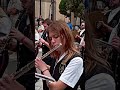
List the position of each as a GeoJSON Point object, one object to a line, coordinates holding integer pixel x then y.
{"type": "Point", "coordinates": [48, 9]}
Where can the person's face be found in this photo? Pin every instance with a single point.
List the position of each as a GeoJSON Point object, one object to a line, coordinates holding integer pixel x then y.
{"type": "Point", "coordinates": [45, 25]}
{"type": "Point", "coordinates": [55, 40]}
{"type": "Point", "coordinates": [82, 26]}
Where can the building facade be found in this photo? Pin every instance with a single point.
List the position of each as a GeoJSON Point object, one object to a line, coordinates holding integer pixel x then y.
{"type": "Point", "coordinates": [48, 9]}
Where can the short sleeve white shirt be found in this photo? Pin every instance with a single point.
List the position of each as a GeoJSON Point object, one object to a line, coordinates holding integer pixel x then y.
{"type": "Point", "coordinates": [72, 72]}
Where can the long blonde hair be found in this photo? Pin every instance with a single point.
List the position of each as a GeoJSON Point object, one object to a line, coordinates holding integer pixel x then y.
{"type": "Point", "coordinates": [61, 28]}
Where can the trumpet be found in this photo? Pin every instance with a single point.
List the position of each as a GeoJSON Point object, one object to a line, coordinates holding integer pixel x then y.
{"type": "Point", "coordinates": [30, 65]}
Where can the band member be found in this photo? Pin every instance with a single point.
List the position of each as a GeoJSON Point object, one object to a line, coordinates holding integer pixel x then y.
{"type": "Point", "coordinates": [25, 43]}
{"type": "Point", "coordinates": [5, 26]}
{"type": "Point", "coordinates": [98, 73]}
{"type": "Point", "coordinates": [68, 66]}
{"type": "Point", "coordinates": [113, 38]}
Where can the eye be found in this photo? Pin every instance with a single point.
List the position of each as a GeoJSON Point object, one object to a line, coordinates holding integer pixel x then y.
{"type": "Point", "coordinates": [56, 36]}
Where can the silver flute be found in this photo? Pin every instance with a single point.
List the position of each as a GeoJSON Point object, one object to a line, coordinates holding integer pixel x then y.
{"type": "Point", "coordinates": [30, 65]}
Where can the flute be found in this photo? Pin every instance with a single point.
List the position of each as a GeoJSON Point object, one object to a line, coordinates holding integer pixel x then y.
{"type": "Point", "coordinates": [30, 65]}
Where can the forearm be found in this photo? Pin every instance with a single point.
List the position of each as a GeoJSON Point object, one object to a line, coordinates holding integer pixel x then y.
{"type": "Point", "coordinates": [109, 29]}
{"type": "Point", "coordinates": [47, 44]}
{"type": "Point", "coordinates": [28, 43]}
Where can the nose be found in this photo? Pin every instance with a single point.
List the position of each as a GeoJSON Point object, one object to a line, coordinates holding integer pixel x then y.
{"type": "Point", "coordinates": [53, 41]}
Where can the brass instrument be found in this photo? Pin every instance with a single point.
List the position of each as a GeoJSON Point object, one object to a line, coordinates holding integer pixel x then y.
{"type": "Point", "coordinates": [30, 65]}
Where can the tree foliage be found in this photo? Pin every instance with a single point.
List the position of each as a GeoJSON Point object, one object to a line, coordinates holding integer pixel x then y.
{"type": "Point", "coordinates": [75, 6]}
{"type": "Point", "coordinates": [62, 7]}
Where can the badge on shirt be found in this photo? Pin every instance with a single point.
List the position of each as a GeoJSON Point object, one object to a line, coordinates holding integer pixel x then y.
{"type": "Point", "coordinates": [62, 68]}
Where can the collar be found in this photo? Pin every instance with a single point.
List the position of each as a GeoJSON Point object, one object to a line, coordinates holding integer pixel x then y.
{"type": "Point", "coordinates": [113, 13]}
{"type": "Point", "coordinates": [61, 57]}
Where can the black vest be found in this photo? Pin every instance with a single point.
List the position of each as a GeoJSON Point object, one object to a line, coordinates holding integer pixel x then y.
{"type": "Point", "coordinates": [24, 54]}
{"type": "Point", "coordinates": [112, 23]}
{"type": "Point", "coordinates": [114, 60]}
{"type": "Point", "coordinates": [58, 70]}
{"type": "Point", "coordinates": [45, 49]}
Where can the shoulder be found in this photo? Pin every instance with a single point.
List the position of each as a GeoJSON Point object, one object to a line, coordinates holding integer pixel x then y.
{"type": "Point", "coordinates": [75, 59]}
{"type": "Point", "coordinates": [100, 81]}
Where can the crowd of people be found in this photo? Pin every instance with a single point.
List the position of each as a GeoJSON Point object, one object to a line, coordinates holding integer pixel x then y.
{"type": "Point", "coordinates": [76, 64]}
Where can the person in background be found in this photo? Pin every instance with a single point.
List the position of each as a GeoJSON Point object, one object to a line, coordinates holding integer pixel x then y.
{"type": "Point", "coordinates": [25, 43]}
{"type": "Point", "coordinates": [98, 73]}
{"type": "Point", "coordinates": [68, 66]}
{"type": "Point", "coordinates": [67, 20]}
{"type": "Point", "coordinates": [43, 39]}
{"type": "Point", "coordinates": [45, 46]}
{"type": "Point", "coordinates": [5, 26]}
{"type": "Point", "coordinates": [113, 38]}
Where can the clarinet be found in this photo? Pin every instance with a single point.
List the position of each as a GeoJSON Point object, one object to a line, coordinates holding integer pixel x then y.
{"type": "Point", "coordinates": [16, 26]}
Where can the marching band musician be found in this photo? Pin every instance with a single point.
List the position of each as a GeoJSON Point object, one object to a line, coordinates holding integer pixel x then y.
{"type": "Point", "coordinates": [98, 73]}
{"type": "Point", "coordinates": [113, 38]}
{"type": "Point", "coordinates": [25, 43]}
{"type": "Point", "coordinates": [68, 66]}
{"type": "Point", "coordinates": [5, 26]}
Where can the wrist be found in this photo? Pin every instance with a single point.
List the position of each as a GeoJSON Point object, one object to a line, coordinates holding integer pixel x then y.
{"type": "Point", "coordinates": [49, 82]}
{"type": "Point", "coordinates": [45, 70]}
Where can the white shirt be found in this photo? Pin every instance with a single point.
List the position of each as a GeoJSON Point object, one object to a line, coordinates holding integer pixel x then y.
{"type": "Point", "coordinates": [72, 72]}
{"type": "Point", "coordinates": [36, 35]}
